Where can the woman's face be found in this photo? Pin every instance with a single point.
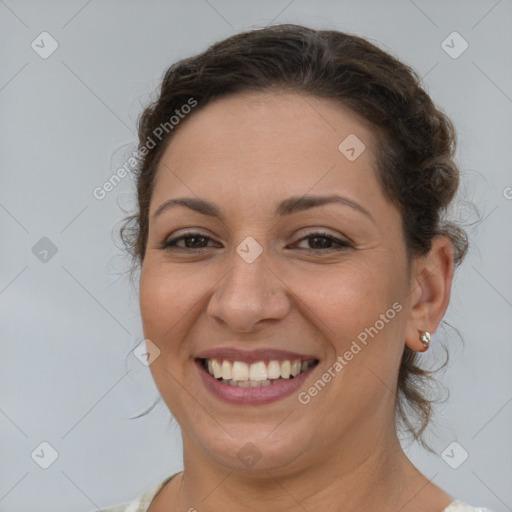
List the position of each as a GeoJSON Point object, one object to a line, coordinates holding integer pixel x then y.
{"type": "Point", "coordinates": [269, 277]}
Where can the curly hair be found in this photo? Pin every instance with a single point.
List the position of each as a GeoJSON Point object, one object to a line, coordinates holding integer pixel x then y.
{"type": "Point", "coordinates": [415, 140]}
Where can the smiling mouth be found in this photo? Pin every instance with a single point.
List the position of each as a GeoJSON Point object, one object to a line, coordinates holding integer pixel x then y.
{"type": "Point", "coordinates": [258, 374]}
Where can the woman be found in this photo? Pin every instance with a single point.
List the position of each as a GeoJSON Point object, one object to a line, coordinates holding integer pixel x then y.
{"type": "Point", "coordinates": [295, 260]}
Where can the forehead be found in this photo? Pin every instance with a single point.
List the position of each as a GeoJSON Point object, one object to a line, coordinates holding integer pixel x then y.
{"type": "Point", "coordinates": [260, 146]}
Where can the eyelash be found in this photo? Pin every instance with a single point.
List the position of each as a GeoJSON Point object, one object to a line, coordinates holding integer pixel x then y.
{"type": "Point", "coordinates": [171, 244]}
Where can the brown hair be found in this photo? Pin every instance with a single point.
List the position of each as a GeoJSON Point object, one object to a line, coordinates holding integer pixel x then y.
{"type": "Point", "coordinates": [416, 141]}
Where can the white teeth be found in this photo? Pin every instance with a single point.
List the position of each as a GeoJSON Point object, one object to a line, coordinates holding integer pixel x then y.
{"type": "Point", "coordinates": [274, 370]}
{"type": "Point", "coordinates": [251, 383]}
{"type": "Point", "coordinates": [258, 371]}
{"type": "Point", "coordinates": [226, 370]}
{"type": "Point", "coordinates": [240, 371]}
{"type": "Point", "coordinates": [217, 371]}
{"type": "Point", "coordinates": [241, 374]}
{"type": "Point", "coordinates": [286, 369]}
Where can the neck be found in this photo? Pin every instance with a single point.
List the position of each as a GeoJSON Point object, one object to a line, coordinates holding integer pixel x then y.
{"type": "Point", "coordinates": [381, 478]}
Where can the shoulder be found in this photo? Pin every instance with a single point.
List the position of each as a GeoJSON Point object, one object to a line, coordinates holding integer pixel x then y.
{"type": "Point", "coordinates": [460, 506]}
{"type": "Point", "coordinates": [141, 503]}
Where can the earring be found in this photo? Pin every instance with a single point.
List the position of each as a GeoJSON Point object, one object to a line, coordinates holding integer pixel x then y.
{"type": "Point", "coordinates": [425, 339]}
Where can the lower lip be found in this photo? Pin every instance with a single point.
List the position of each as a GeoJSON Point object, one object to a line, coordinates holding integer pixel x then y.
{"type": "Point", "coordinates": [252, 396]}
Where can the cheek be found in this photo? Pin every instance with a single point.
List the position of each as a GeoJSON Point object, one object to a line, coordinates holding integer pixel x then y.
{"type": "Point", "coordinates": [357, 307]}
{"type": "Point", "coordinates": [167, 300]}
{"type": "Point", "coordinates": [166, 297]}
{"type": "Point", "coordinates": [349, 295]}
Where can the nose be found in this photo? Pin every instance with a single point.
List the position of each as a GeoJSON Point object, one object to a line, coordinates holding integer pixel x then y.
{"type": "Point", "coordinates": [248, 295]}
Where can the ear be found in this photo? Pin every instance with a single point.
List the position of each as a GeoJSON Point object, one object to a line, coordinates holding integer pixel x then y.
{"type": "Point", "coordinates": [429, 292]}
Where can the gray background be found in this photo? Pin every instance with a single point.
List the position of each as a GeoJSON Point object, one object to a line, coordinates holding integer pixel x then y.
{"type": "Point", "coordinates": [68, 324]}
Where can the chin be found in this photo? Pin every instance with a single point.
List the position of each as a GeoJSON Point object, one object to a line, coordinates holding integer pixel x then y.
{"type": "Point", "coordinates": [254, 448]}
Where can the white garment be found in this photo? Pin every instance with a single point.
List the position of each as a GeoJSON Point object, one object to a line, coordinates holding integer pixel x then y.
{"type": "Point", "coordinates": [460, 506]}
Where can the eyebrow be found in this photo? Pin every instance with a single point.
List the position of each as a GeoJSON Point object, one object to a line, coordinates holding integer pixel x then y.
{"type": "Point", "coordinates": [288, 206]}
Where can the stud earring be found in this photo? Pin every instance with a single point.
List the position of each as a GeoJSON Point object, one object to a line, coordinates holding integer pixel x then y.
{"type": "Point", "coordinates": [425, 339]}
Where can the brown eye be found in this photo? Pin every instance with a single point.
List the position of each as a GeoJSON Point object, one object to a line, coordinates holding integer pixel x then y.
{"type": "Point", "coordinates": [318, 242]}
{"type": "Point", "coordinates": [323, 242]}
{"type": "Point", "coordinates": [191, 241]}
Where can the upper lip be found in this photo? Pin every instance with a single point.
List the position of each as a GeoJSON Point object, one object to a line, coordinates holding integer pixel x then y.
{"type": "Point", "coordinates": [253, 356]}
